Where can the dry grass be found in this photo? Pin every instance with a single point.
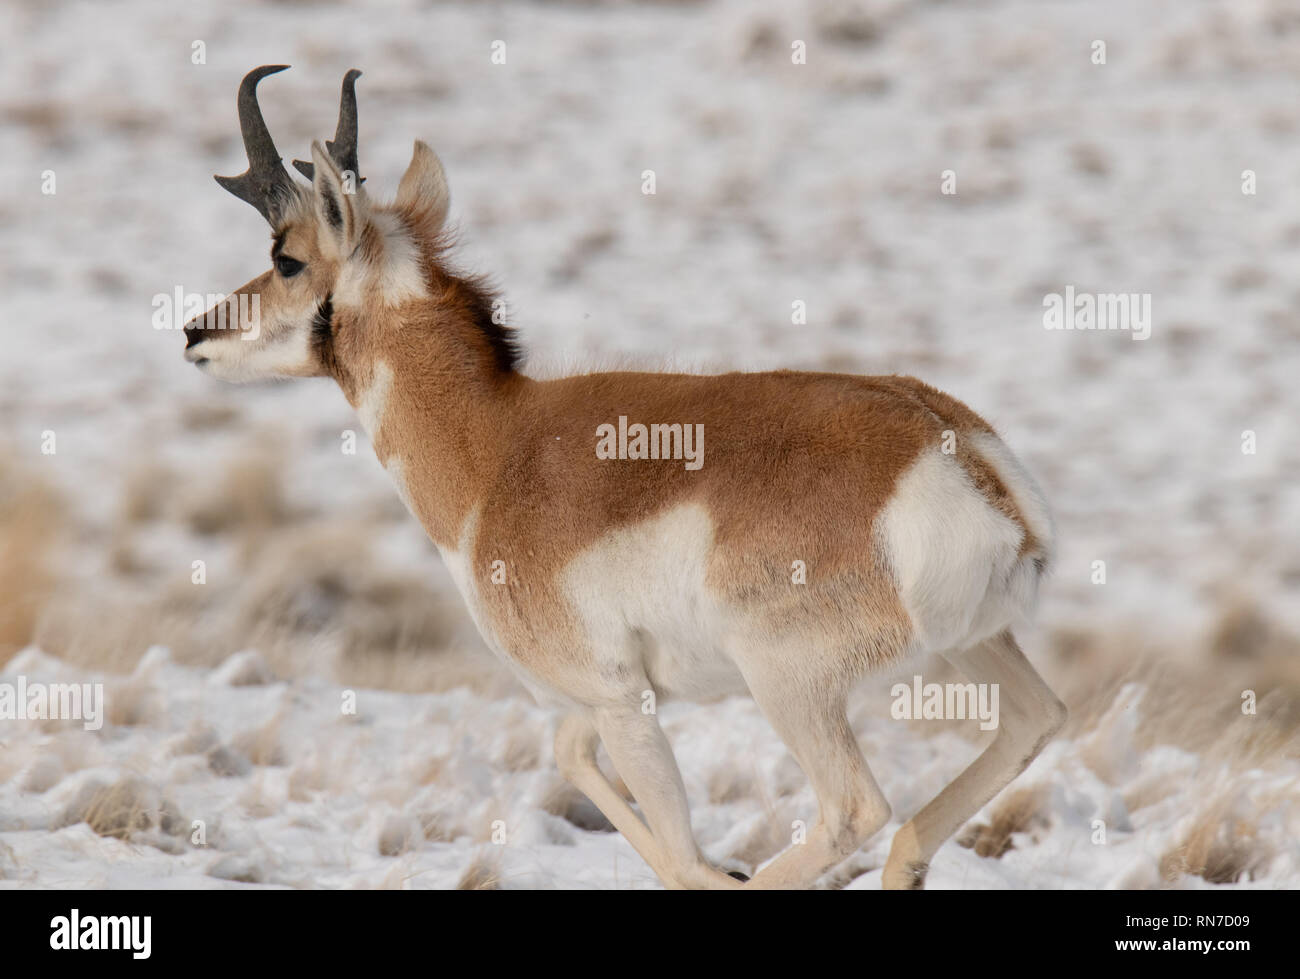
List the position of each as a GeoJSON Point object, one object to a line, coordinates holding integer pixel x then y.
{"type": "Point", "coordinates": [32, 517]}
{"type": "Point", "coordinates": [210, 414]}
{"type": "Point", "coordinates": [1019, 810]}
{"type": "Point", "coordinates": [122, 810]}
{"type": "Point", "coordinates": [1192, 701]}
{"type": "Point", "coordinates": [226, 762]}
{"type": "Point", "coordinates": [431, 770]}
{"type": "Point", "coordinates": [132, 702]}
{"type": "Point", "coordinates": [855, 23]}
{"type": "Point", "coordinates": [387, 630]}
{"type": "Point", "coordinates": [308, 779]}
{"type": "Point", "coordinates": [1222, 844]}
{"type": "Point", "coordinates": [522, 750]}
{"type": "Point", "coordinates": [1152, 791]}
{"type": "Point", "coordinates": [309, 595]}
{"type": "Point", "coordinates": [436, 828]}
{"type": "Point", "coordinates": [147, 492]}
{"type": "Point", "coordinates": [431, 670]}
{"type": "Point", "coordinates": [111, 631]}
{"type": "Point", "coordinates": [263, 745]}
{"type": "Point", "coordinates": [482, 874]}
{"type": "Point", "coordinates": [1246, 634]}
{"type": "Point", "coordinates": [8, 863]}
{"type": "Point", "coordinates": [400, 834]}
{"type": "Point", "coordinates": [248, 498]}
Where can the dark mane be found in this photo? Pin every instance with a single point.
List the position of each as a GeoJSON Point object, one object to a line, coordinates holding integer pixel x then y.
{"type": "Point", "coordinates": [479, 297]}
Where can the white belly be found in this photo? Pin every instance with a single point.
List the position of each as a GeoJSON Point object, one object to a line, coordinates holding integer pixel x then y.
{"type": "Point", "coordinates": [642, 595]}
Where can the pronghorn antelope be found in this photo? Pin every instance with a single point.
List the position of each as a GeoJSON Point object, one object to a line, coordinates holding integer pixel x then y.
{"type": "Point", "coordinates": [643, 574]}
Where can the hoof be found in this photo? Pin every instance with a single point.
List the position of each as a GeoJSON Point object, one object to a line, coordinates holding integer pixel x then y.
{"type": "Point", "coordinates": [743, 878]}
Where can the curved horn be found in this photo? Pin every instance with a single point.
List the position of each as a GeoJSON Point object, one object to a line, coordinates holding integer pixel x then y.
{"type": "Point", "coordinates": [266, 184]}
{"type": "Point", "coordinates": [343, 147]}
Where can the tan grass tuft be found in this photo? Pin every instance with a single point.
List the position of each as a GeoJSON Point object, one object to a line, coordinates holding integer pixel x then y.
{"type": "Point", "coordinates": [248, 498]}
{"type": "Point", "coordinates": [482, 874]}
{"type": "Point", "coordinates": [521, 752]}
{"type": "Point", "coordinates": [121, 809]}
{"type": "Point", "coordinates": [149, 487]}
{"type": "Point", "coordinates": [31, 518]}
{"type": "Point", "coordinates": [1221, 846]}
{"type": "Point", "coordinates": [263, 745]}
{"type": "Point", "coordinates": [1018, 811]}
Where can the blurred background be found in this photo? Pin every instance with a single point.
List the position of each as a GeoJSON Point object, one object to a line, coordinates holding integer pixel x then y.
{"type": "Point", "coordinates": [121, 466]}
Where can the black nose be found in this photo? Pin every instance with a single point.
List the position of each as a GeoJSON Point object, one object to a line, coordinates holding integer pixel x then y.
{"type": "Point", "coordinates": [193, 335]}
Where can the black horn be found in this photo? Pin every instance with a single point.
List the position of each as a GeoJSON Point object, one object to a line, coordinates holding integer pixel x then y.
{"type": "Point", "coordinates": [343, 147]}
{"type": "Point", "coordinates": [266, 184]}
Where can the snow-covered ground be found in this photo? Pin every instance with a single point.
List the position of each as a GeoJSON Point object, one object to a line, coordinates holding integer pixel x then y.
{"type": "Point", "coordinates": [230, 776]}
{"type": "Point", "coordinates": [776, 183]}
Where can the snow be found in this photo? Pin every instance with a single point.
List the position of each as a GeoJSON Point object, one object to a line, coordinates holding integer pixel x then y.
{"type": "Point", "coordinates": [348, 800]}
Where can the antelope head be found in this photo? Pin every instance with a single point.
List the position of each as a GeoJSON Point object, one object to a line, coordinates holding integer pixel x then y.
{"type": "Point", "coordinates": [334, 254]}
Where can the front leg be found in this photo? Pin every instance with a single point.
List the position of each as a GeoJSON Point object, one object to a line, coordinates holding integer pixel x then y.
{"type": "Point", "coordinates": [644, 760]}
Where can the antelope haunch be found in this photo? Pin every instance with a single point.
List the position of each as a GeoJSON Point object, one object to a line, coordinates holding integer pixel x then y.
{"type": "Point", "coordinates": [834, 526]}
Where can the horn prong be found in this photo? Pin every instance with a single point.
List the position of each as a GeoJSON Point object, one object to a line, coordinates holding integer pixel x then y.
{"type": "Point", "coordinates": [266, 184]}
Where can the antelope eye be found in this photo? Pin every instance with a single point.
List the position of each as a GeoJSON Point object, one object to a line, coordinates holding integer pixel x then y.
{"type": "Point", "coordinates": [288, 267]}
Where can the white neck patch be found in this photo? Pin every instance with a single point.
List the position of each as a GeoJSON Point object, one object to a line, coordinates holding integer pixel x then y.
{"type": "Point", "coordinates": [374, 400]}
{"type": "Point", "coordinates": [397, 278]}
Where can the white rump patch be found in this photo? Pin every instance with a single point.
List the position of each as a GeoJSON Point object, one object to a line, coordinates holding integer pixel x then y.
{"type": "Point", "coordinates": [1029, 498]}
{"type": "Point", "coordinates": [954, 556]}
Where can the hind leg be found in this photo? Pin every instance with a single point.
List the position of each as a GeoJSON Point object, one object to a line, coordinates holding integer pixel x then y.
{"type": "Point", "coordinates": [1030, 714]}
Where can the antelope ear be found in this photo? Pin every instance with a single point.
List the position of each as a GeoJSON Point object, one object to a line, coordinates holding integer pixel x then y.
{"type": "Point", "coordinates": [338, 205]}
{"type": "Point", "coordinates": [423, 189]}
